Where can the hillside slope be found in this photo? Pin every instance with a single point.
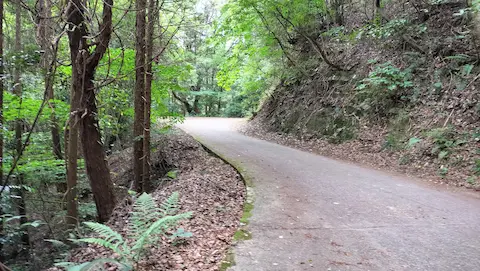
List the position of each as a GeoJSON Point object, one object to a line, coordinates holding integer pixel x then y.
{"type": "Point", "coordinates": [404, 95]}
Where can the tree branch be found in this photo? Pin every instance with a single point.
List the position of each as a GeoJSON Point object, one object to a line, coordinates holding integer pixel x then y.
{"type": "Point", "coordinates": [264, 21]}
{"type": "Point", "coordinates": [104, 36]}
{"type": "Point", "coordinates": [316, 46]}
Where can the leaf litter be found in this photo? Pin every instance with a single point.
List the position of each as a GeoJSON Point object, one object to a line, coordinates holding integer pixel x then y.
{"type": "Point", "coordinates": [209, 187]}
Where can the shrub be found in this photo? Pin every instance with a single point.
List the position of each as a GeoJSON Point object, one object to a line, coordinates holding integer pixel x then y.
{"type": "Point", "coordinates": [444, 140]}
{"type": "Point", "coordinates": [383, 89]}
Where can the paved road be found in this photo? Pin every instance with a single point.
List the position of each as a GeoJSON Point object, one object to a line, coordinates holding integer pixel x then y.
{"type": "Point", "coordinates": [315, 213]}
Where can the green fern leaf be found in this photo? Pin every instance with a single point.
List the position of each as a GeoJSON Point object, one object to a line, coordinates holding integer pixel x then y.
{"type": "Point", "coordinates": [159, 227]}
{"type": "Point", "coordinates": [94, 265]}
{"type": "Point", "coordinates": [145, 211]}
{"type": "Point", "coordinates": [108, 237]}
{"type": "Point", "coordinates": [170, 206]}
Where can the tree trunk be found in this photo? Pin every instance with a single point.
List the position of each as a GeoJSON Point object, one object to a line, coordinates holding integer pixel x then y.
{"type": "Point", "coordinates": [147, 186]}
{"type": "Point", "coordinates": [377, 12]}
{"type": "Point", "coordinates": [339, 9]}
{"type": "Point", "coordinates": [93, 152]}
{"type": "Point", "coordinates": [186, 105]}
{"type": "Point", "coordinates": [75, 17]}
{"type": "Point", "coordinates": [139, 102]}
{"type": "Point", "coordinates": [48, 62]}
{"type": "Point", "coordinates": [84, 110]}
{"type": "Point", "coordinates": [196, 105]}
{"type": "Point", "coordinates": [19, 122]}
{"type": "Point", "coordinates": [72, 154]}
{"type": "Point", "coordinates": [2, 258]}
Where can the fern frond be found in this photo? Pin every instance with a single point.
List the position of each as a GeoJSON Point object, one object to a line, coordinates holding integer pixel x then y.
{"type": "Point", "coordinates": [159, 227]}
{"type": "Point", "coordinates": [94, 265]}
{"type": "Point", "coordinates": [145, 211]}
{"type": "Point", "coordinates": [108, 237]}
{"type": "Point", "coordinates": [170, 206]}
{"type": "Point", "coordinates": [106, 244]}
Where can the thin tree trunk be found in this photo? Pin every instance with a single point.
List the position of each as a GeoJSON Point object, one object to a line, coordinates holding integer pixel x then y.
{"type": "Point", "coordinates": [316, 46]}
{"type": "Point", "coordinates": [72, 154]}
{"type": "Point", "coordinates": [50, 71]}
{"type": "Point", "coordinates": [44, 36]}
{"type": "Point", "coordinates": [377, 14]}
{"type": "Point", "coordinates": [147, 186]}
{"type": "Point", "coordinates": [75, 17]}
{"type": "Point", "coordinates": [19, 122]}
{"type": "Point", "coordinates": [84, 61]}
{"type": "Point", "coordinates": [196, 105]}
{"type": "Point", "coordinates": [339, 8]}
{"type": "Point", "coordinates": [139, 102]}
{"type": "Point", "coordinates": [2, 258]}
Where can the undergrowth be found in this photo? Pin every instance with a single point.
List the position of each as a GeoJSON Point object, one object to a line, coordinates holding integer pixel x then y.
{"type": "Point", "coordinates": [148, 223]}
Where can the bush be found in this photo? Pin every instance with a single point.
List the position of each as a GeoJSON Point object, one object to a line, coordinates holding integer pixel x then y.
{"type": "Point", "coordinates": [444, 140]}
{"type": "Point", "coordinates": [383, 89]}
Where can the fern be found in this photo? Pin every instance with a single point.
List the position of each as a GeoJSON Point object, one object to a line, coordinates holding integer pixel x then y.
{"type": "Point", "coordinates": [145, 211]}
{"type": "Point", "coordinates": [147, 223]}
{"type": "Point", "coordinates": [159, 227]}
{"type": "Point", "coordinates": [108, 237]}
{"type": "Point", "coordinates": [170, 206]}
{"type": "Point", "coordinates": [94, 265]}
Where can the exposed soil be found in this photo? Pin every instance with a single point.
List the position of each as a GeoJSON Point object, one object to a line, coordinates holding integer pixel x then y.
{"type": "Point", "coordinates": [209, 187]}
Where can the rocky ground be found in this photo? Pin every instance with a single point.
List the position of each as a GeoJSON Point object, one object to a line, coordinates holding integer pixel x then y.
{"type": "Point", "coordinates": [209, 187]}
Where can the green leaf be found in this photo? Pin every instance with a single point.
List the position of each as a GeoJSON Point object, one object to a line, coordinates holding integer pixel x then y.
{"type": "Point", "coordinates": [412, 141]}
{"type": "Point", "coordinates": [34, 224]}
{"type": "Point", "coordinates": [181, 233]}
{"type": "Point", "coordinates": [443, 154]}
{"type": "Point", "coordinates": [467, 69]}
{"type": "Point", "coordinates": [438, 85]}
{"type": "Point", "coordinates": [94, 265]}
{"type": "Point", "coordinates": [361, 86]}
{"type": "Point", "coordinates": [172, 174]}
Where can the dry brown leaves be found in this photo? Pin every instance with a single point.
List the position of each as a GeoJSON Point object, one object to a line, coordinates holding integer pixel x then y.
{"type": "Point", "coordinates": [213, 190]}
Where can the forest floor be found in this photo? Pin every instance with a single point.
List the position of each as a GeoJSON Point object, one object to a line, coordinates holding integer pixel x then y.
{"type": "Point", "coordinates": [315, 213]}
{"type": "Point", "coordinates": [209, 187]}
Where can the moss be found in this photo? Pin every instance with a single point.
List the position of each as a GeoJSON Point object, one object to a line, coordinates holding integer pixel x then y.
{"type": "Point", "coordinates": [228, 261]}
{"type": "Point", "coordinates": [242, 234]}
{"type": "Point", "coordinates": [247, 212]}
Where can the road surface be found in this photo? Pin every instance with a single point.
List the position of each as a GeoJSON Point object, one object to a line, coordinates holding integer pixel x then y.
{"type": "Point", "coordinates": [316, 213]}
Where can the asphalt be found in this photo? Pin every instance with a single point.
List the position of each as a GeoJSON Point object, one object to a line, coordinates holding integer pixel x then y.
{"type": "Point", "coordinates": [316, 213]}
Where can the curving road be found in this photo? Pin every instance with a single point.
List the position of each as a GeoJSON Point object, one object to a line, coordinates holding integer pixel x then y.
{"type": "Point", "coordinates": [315, 213]}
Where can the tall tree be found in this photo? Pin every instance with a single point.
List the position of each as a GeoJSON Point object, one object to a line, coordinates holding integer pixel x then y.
{"type": "Point", "coordinates": [75, 38]}
{"type": "Point", "coordinates": [2, 76]}
{"type": "Point", "coordinates": [85, 60]}
{"type": "Point", "coordinates": [48, 63]}
{"type": "Point", "coordinates": [152, 18]}
{"type": "Point", "coordinates": [19, 122]}
{"type": "Point", "coordinates": [139, 102]}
